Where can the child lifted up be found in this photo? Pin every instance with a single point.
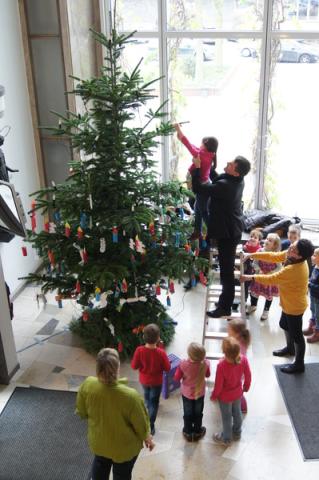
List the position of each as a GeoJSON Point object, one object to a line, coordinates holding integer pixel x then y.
{"type": "Point", "coordinates": [207, 154]}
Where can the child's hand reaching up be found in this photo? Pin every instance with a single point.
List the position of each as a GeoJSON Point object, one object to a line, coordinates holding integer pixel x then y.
{"type": "Point", "coordinates": [178, 130]}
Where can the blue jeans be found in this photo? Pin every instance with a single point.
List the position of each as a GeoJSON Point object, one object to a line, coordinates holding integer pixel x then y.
{"type": "Point", "coordinates": [151, 398]}
{"type": "Point", "coordinates": [101, 469]}
{"type": "Point", "coordinates": [231, 418]}
{"type": "Point", "coordinates": [314, 307]}
{"type": "Point", "coordinates": [193, 414]}
{"type": "Point", "coordinates": [201, 211]}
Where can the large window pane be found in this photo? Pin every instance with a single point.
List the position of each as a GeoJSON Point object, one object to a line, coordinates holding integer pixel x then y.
{"type": "Point", "coordinates": [43, 16]}
{"type": "Point", "coordinates": [292, 159]}
{"type": "Point", "coordinates": [216, 88]}
{"type": "Point", "coordinates": [138, 15]}
{"type": "Point", "coordinates": [215, 14]}
{"type": "Point", "coordinates": [301, 15]}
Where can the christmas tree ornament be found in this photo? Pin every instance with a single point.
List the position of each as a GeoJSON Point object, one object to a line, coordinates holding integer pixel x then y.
{"type": "Point", "coordinates": [59, 300]}
{"type": "Point", "coordinates": [49, 269]}
{"type": "Point", "coordinates": [151, 228]}
{"type": "Point", "coordinates": [57, 216]}
{"type": "Point", "coordinates": [85, 316]}
{"type": "Point", "coordinates": [158, 289]}
{"type": "Point", "coordinates": [187, 248]}
{"type": "Point", "coordinates": [137, 243]}
{"type": "Point", "coordinates": [47, 227]}
{"type": "Point", "coordinates": [67, 230]}
{"type": "Point", "coordinates": [33, 216]}
{"type": "Point", "coordinates": [193, 280]}
{"type": "Point", "coordinates": [124, 286]}
{"type": "Point", "coordinates": [78, 287]}
{"type": "Point", "coordinates": [24, 251]}
{"type": "Point", "coordinates": [168, 301]}
{"type": "Point", "coordinates": [124, 233]}
{"type": "Point", "coordinates": [102, 245]}
{"type": "Point", "coordinates": [171, 286]}
{"type": "Point", "coordinates": [181, 213]}
{"type": "Point", "coordinates": [80, 233]}
{"type": "Point", "coordinates": [196, 252]}
{"type": "Point", "coordinates": [91, 201]}
{"type": "Point", "coordinates": [177, 239]}
{"type": "Point", "coordinates": [84, 255]}
{"type": "Point", "coordinates": [52, 227]}
{"type": "Point", "coordinates": [132, 244]}
{"type": "Point", "coordinates": [83, 220]}
{"type": "Point", "coordinates": [202, 278]}
{"type": "Point", "coordinates": [204, 242]}
{"type": "Point", "coordinates": [51, 257]}
{"type": "Point", "coordinates": [115, 235]}
{"type": "Point", "coordinates": [120, 347]}
{"type": "Point", "coordinates": [97, 294]}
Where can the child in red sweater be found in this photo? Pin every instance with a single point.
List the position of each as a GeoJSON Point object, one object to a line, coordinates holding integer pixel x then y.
{"type": "Point", "coordinates": [151, 361]}
{"type": "Point", "coordinates": [228, 390]}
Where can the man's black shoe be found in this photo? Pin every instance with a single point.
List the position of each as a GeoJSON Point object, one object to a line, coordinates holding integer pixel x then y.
{"type": "Point", "coordinates": [219, 312]}
{"type": "Point", "coordinates": [293, 368]}
{"type": "Point", "coordinates": [283, 352]}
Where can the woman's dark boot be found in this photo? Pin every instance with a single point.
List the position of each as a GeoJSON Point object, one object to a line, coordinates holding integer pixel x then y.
{"type": "Point", "coordinates": [298, 366]}
{"type": "Point", "coordinates": [287, 351]}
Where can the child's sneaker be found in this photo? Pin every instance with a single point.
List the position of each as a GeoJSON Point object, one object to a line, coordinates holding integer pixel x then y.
{"type": "Point", "coordinates": [201, 434]}
{"type": "Point", "coordinates": [250, 309]}
{"type": "Point", "coordinates": [264, 315]}
{"type": "Point", "coordinates": [188, 436]}
{"type": "Point", "coordinates": [217, 437]}
{"type": "Point", "coordinates": [236, 436]}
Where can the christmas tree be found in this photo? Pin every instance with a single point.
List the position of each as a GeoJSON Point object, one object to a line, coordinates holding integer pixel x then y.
{"type": "Point", "coordinates": [114, 236]}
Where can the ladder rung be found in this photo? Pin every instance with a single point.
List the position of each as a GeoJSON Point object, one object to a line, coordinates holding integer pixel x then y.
{"type": "Point", "coordinates": [219, 287]}
{"type": "Point", "coordinates": [229, 317]}
{"type": "Point", "coordinates": [215, 335]}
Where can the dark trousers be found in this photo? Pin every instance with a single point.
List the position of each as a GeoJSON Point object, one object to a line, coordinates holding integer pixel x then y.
{"type": "Point", "coordinates": [101, 469]}
{"type": "Point", "coordinates": [226, 257]}
{"type": "Point", "coordinates": [193, 415]}
{"type": "Point", "coordinates": [254, 301]}
{"type": "Point", "coordinates": [292, 324]}
{"type": "Point", "coordinates": [151, 398]}
{"type": "Point", "coordinates": [201, 211]}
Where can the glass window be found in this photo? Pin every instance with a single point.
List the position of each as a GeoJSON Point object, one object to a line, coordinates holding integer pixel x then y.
{"type": "Point", "coordinates": [138, 15]}
{"type": "Point", "coordinates": [291, 159]}
{"type": "Point", "coordinates": [43, 17]}
{"type": "Point", "coordinates": [301, 15]}
{"type": "Point", "coordinates": [214, 14]}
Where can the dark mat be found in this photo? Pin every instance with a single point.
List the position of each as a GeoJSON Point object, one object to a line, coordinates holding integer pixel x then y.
{"type": "Point", "coordinates": [301, 396]}
{"type": "Point", "coordinates": [41, 438]}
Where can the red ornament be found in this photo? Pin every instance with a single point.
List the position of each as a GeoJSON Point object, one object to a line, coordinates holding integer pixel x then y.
{"type": "Point", "coordinates": [158, 289]}
{"type": "Point", "coordinates": [187, 248]}
{"type": "Point", "coordinates": [171, 286]}
{"type": "Point", "coordinates": [85, 316]}
{"type": "Point", "coordinates": [33, 216]}
{"type": "Point", "coordinates": [24, 251]}
{"type": "Point", "coordinates": [202, 278]}
{"type": "Point", "coordinates": [67, 230]}
{"type": "Point", "coordinates": [124, 286]}
{"type": "Point", "coordinates": [120, 347]}
{"type": "Point", "coordinates": [51, 257]}
{"type": "Point", "coordinates": [152, 229]}
{"type": "Point", "coordinates": [80, 233]}
{"type": "Point", "coordinates": [78, 287]}
{"type": "Point", "coordinates": [47, 227]}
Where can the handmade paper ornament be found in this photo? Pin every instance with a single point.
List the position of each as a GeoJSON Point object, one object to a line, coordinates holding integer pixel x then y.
{"type": "Point", "coordinates": [78, 286]}
{"type": "Point", "coordinates": [131, 244]}
{"type": "Point", "coordinates": [57, 216]}
{"type": "Point", "coordinates": [204, 243]}
{"type": "Point", "coordinates": [83, 220]}
{"type": "Point", "coordinates": [177, 239]}
{"type": "Point", "coordinates": [91, 201]}
{"type": "Point", "coordinates": [168, 301]}
{"type": "Point", "coordinates": [85, 316]}
{"type": "Point", "coordinates": [120, 347]}
{"type": "Point", "coordinates": [51, 257]}
{"type": "Point", "coordinates": [33, 216]}
{"type": "Point", "coordinates": [102, 245]}
{"type": "Point", "coordinates": [140, 247]}
{"type": "Point", "coordinates": [151, 228]}
{"type": "Point", "coordinates": [193, 281]}
{"type": "Point", "coordinates": [158, 289]}
{"type": "Point", "coordinates": [97, 294]}
{"type": "Point", "coordinates": [80, 233]}
{"type": "Point", "coordinates": [137, 243]}
{"type": "Point", "coordinates": [171, 286]}
{"type": "Point", "coordinates": [181, 213]}
{"type": "Point", "coordinates": [24, 251]}
{"type": "Point", "coordinates": [47, 227]}
{"type": "Point", "coordinates": [67, 230]}
{"type": "Point", "coordinates": [187, 248]}
{"type": "Point", "coordinates": [124, 286]}
{"type": "Point", "coordinates": [52, 227]}
{"type": "Point", "coordinates": [115, 235]}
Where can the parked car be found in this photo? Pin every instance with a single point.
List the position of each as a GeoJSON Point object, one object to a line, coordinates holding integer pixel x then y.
{"type": "Point", "coordinates": [291, 51]}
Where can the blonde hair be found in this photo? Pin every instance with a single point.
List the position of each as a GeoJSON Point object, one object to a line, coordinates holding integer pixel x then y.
{"type": "Point", "coordinates": [239, 327]}
{"type": "Point", "coordinates": [276, 240]}
{"type": "Point", "coordinates": [197, 353]}
{"type": "Point", "coordinates": [107, 365]}
{"type": "Point", "coordinates": [231, 349]}
{"type": "Point", "coordinates": [316, 251]}
{"type": "Point", "coordinates": [295, 228]}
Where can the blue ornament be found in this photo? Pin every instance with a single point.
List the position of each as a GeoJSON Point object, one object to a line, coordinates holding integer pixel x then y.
{"type": "Point", "coordinates": [193, 281]}
{"type": "Point", "coordinates": [83, 220]}
{"type": "Point", "coordinates": [168, 301]}
{"type": "Point", "coordinates": [57, 216]}
{"type": "Point", "coordinates": [177, 239]}
{"type": "Point", "coordinates": [181, 212]}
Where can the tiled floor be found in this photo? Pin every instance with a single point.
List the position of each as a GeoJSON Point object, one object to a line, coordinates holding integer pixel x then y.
{"type": "Point", "coordinates": [268, 449]}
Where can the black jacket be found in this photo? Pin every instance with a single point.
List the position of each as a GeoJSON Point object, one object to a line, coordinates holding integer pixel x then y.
{"type": "Point", "coordinates": [225, 207]}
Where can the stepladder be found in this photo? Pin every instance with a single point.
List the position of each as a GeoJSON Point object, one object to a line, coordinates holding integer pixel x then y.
{"type": "Point", "coordinates": [215, 329]}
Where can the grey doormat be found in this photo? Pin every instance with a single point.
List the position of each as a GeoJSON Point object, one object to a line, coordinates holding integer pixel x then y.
{"type": "Point", "coordinates": [301, 396]}
{"type": "Point", "coordinates": [41, 438]}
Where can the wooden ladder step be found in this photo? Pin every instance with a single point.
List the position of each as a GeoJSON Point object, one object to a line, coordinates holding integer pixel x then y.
{"type": "Point", "coordinates": [229, 317]}
{"type": "Point", "coordinates": [215, 335]}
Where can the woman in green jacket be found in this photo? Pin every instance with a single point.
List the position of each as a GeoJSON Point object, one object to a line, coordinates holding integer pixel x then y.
{"type": "Point", "coordinates": [118, 423]}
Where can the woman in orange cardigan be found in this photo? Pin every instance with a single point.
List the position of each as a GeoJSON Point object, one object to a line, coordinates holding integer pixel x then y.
{"type": "Point", "coordinates": [292, 281]}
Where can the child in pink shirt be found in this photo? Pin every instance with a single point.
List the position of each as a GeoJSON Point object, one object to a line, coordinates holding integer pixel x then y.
{"type": "Point", "coordinates": [207, 154]}
{"type": "Point", "coordinates": [228, 390]}
{"type": "Point", "coordinates": [192, 373]}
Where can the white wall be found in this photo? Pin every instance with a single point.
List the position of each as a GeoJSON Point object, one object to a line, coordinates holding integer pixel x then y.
{"type": "Point", "coordinates": [19, 148]}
